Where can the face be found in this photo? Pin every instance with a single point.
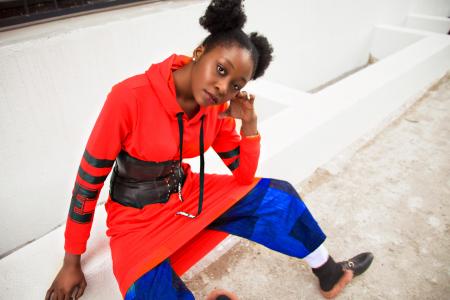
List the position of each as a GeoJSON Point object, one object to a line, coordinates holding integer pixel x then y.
{"type": "Point", "coordinates": [220, 73]}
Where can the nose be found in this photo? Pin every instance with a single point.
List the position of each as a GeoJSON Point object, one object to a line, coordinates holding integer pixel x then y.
{"type": "Point", "coordinates": [221, 87]}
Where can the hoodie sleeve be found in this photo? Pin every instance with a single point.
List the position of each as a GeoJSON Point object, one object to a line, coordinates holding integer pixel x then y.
{"type": "Point", "coordinates": [239, 153]}
{"type": "Point", "coordinates": [113, 124]}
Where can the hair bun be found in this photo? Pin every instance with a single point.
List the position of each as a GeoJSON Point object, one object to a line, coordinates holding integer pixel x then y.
{"type": "Point", "coordinates": [223, 15]}
{"type": "Point", "coordinates": [265, 51]}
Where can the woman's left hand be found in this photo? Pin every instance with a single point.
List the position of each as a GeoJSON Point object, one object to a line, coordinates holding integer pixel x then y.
{"type": "Point", "coordinates": [241, 107]}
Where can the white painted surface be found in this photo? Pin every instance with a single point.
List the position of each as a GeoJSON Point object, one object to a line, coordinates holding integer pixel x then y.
{"type": "Point", "coordinates": [388, 39]}
{"type": "Point", "coordinates": [316, 41]}
{"type": "Point", "coordinates": [429, 23]}
{"type": "Point", "coordinates": [29, 272]}
{"type": "Point", "coordinates": [439, 8]}
{"type": "Point", "coordinates": [351, 108]}
{"type": "Point", "coordinates": [53, 86]}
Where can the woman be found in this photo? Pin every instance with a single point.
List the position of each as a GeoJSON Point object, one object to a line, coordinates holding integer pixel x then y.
{"type": "Point", "coordinates": [149, 123]}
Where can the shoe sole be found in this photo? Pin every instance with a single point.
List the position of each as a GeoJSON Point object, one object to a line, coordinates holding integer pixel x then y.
{"type": "Point", "coordinates": [339, 286]}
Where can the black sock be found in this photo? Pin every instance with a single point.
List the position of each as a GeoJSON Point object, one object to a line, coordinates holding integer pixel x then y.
{"type": "Point", "coordinates": [328, 274]}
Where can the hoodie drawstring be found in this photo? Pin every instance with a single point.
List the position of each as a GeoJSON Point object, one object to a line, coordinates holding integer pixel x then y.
{"type": "Point", "coordinates": [202, 166]}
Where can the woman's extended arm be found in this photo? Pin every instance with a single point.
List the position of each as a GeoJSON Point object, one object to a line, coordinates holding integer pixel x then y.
{"type": "Point", "coordinates": [113, 124]}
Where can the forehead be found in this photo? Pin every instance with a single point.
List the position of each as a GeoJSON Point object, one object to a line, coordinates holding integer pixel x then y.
{"type": "Point", "coordinates": [237, 60]}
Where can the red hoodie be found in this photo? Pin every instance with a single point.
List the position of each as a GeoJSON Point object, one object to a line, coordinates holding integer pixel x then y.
{"type": "Point", "coordinates": [139, 117]}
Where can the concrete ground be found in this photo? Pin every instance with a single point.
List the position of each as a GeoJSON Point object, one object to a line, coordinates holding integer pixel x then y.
{"type": "Point", "coordinates": [391, 197]}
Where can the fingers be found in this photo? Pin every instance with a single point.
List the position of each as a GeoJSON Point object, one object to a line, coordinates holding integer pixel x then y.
{"type": "Point", "coordinates": [59, 295]}
{"type": "Point", "coordinates": [225, 114]}
{"type": "Point", "coordinates": [73, 293]}
{"type": "Point", "coordinates": [52, 294]}
{"type": "Point", "coordinates": [80, 291]}
{"type": "Point", "coordinates": [240, 107]}
{"type": "Point", "coordinates": [49, 294]}
{"type": "Point", "coordinates": [76, 293]}
{"type": "Point", "coordinates": [246, 97]}
{"type": "Point", "coordinates": [68, 296]}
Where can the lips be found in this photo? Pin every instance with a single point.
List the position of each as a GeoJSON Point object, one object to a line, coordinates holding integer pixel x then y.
{"type": "Point", "coordinates": [211, 98]}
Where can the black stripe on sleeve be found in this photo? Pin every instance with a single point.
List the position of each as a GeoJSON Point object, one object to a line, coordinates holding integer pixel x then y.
{"type": "Point", "coordinates": [79, 218]}
{"type": "Point", "coordinates": [89, 178]}
{"type": "Point", "coordinates": [234, 165]}
{"type": "Point", "coordinates": [79, 190]}
{"type": "Point", "coordinates": [98, 163]}
{"type": "Point", "coordinates": [229, 154]}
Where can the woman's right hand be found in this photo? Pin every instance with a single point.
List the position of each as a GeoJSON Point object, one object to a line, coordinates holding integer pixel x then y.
{"type": "Point", "coordinates": [69, 282]}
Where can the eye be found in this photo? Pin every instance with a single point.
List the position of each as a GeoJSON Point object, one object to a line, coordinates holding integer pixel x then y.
{"type": "Point", "coordinates": [221, 70]}
{"type": "Point", "coordinates": [236, 87]}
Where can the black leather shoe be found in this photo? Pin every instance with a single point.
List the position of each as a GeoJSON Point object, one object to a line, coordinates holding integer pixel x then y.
{"type": "Point", "coordinates": [358, 264]}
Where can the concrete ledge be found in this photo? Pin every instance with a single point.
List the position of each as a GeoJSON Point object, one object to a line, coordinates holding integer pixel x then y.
{"type": "Point", "coordinates": [388, 39]}
{"type": "Point", "coordinates": [350, 109]}
{"type": "Point", "coordinates": [28, 272]}
{"type": "Point", "coordinates": [429, 23]}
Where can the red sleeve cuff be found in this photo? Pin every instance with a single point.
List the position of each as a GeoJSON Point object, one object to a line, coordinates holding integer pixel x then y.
{"type": "Point", "coordinates": [249, 136]}
{"type": "Point", "coordinates": [250, 144]}
{"type": "Point", "coordinates": [250, 139]}
{"type": "Point", "coordinates": [75, 248]}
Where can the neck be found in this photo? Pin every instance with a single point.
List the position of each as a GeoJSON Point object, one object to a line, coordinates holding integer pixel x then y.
{"type": "Point", "coordinates": [185, 98]}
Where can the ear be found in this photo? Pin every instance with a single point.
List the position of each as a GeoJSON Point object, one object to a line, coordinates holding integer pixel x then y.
{"type": "Point", "coordinates": [198, 52]}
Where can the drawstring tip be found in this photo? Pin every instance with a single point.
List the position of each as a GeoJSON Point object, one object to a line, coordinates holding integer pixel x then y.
{"type": "Point", "coordinates": [179, 193]}
{"type": "Point", "coordinates": [185, 214]}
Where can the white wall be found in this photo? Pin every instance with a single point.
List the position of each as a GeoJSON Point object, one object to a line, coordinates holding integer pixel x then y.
{"type": "Point", "coordinates": [54, 78]}
{"type": "Point", "coordinates": [430, 23]}
{"type": "Point", "coordinates": [388, 39]}
{"type": "Point", "coordinates": [431, 7]}
{"type": "Point", "coordinates": [320, 39]}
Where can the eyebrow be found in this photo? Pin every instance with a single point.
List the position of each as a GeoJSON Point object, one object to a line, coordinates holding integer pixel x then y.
{"type": "Point", "coordinates": [231, 64]}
